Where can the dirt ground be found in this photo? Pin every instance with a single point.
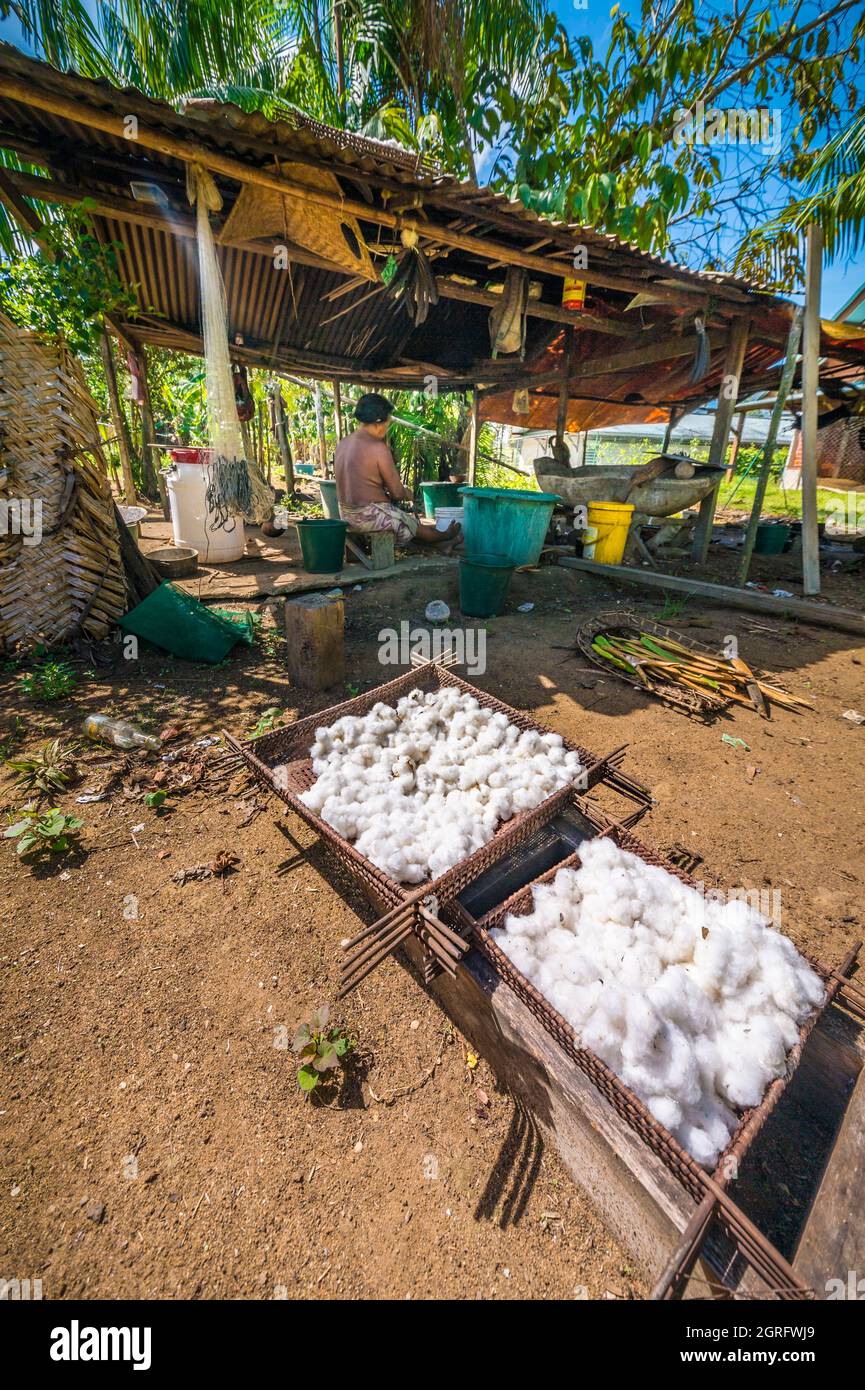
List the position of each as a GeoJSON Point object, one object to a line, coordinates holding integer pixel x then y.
{"type": "Point", "coordinates": [154, 1140]}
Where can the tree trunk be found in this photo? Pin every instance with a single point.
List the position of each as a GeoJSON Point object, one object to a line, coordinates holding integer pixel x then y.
{"type": "Point", "coordinates": [283, 443]}
{"type": "Point", "coordinates": [118, 420]}
{"type": "Point", "coordinates": [319, 425]}
{"type": "Point", "coordinates": [338, 46]}
{"type": "Point", "coordinates": [154, 483]}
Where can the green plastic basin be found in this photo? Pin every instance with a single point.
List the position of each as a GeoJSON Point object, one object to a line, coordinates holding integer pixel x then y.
{"type": "Point", "coordinates": [438, 495]}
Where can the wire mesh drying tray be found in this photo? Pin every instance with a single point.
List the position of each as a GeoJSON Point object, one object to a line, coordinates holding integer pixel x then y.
{"type": "Point", "coordinates": [623, 1100]}
{"type": "Point", "coordinates": [280, 759]}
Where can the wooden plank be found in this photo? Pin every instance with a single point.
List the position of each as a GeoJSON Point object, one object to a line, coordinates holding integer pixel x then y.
{"type": "Point", "coordinates": [473, 439]}
{"type": "Point", "coordinates": [831, 1252]}
{"type": "Point", "coordinates": [822, 614]}
{"type": "Point", "coordinates": [810, 389]}
{"type": "Point", "coordinates": [771, 438]}
{"type": "Point", "coordinates": [733, 362]}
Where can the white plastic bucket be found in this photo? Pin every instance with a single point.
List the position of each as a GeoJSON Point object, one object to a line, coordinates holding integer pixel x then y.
{"type": "Point", "coordinates": [445, 515]}
{"type": "Point", "coordinates": [191, 521]}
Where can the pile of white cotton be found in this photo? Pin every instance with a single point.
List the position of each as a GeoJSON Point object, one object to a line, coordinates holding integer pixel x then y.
{"type": "Point", "coordinates": [419, 787]}
{"type": "Point", "coordinates": [693, 1003]}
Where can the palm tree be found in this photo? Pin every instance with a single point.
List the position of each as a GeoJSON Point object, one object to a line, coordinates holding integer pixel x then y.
{"type": "Point", "coordinates": [834, 199]}
{"type": "Point", "coordinates": [417, 70]}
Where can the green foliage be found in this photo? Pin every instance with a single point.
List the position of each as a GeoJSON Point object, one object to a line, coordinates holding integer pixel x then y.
{"type": "Point", "coordinates": [154, 801]}
{"type": "Point", "coordinates": [673, 606]}
{"type": "Point", "coordinates": [44, 773]}
{"type": "Point", "coordinates": [53, 680]}
{"type": "Point", "coordinates": [267, 720]}
{"type": "Point", "coordinates": [320, 1048]}
{"type": "Point", "coordinates": [38, 835]}
{"type": "Point", "coordinates": [70, 287]}
{"type": "Point", "coordinates": [591, 136]}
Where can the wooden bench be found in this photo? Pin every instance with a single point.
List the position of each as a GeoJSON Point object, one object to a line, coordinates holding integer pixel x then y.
{"type": "Point", "coordinates": [381, 555]}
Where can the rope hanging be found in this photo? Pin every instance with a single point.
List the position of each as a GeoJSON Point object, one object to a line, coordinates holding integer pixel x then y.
{"type": "Point", "coordinates": [234, 484]}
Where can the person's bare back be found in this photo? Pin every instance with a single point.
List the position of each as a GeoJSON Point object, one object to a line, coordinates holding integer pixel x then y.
{"type": "Point", "coordinates": [365, 471]}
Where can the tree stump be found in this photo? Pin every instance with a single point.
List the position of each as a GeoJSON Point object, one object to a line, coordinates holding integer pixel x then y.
{"type": "Point", "coordinates": [314, 637]}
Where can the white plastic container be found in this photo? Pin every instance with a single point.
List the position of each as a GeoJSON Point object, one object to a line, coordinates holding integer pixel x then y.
{"type": "Point", "coordinates": [445, 515]}
{"type": "Point", "coordinates": [191, 521]}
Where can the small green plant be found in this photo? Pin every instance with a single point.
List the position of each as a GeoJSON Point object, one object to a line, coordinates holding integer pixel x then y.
{"type": "Point", "coordinates": [673, 605]}
{"type": "Point", "coordinates": [267, 721]}
{"type": "Point", "coordinates": [51, 681]}
{"type": "Point", "coordinates": [52, 832]}
{"type": "Point", "coordinates": [154, 801]}
{"type": "Point", "coordinates": [352, 689]}
{"type": "Point", "coordinates": [44, 773]}
{"type": "Point", "coordinates": [321, 1049]}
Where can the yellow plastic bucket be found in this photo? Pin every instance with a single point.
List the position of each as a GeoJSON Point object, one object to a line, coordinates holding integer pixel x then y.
{"type": "Point", "coordinates": [605, 536]}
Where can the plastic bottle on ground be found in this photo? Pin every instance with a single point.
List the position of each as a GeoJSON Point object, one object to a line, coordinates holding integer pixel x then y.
{"type": "Point", "coordinates": [103, 729]}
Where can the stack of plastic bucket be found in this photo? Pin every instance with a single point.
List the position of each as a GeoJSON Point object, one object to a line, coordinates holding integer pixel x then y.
{"type": "Point", "coordinates": [504, 528]}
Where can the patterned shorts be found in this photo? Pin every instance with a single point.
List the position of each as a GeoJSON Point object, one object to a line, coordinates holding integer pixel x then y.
{"type": "Point", "coordinates": [382, 516]}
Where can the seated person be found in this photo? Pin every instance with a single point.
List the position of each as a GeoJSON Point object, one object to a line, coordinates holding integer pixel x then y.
{"type": "Point", "coordinates": [368, 486]}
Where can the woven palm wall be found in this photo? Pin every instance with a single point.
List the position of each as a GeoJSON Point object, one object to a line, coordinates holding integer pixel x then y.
{"type": "Point", "coordinates": [71, 583]}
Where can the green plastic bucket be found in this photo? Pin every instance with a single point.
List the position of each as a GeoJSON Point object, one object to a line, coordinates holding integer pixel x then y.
{"type": "Point", "coordinates": [439, 495]}
{"type": "Point", "coordinates": [771, 537]}
{"type": "Point", "coordinates": [329, 501]}
{"type": "Point", "coordinates": [322, 542]}
{"type": "Point", "coordinates": [507, 521]}
{"type": "Point", "coordinates": [178, 623]}
{"type": "Point", "coordinates": [484, 584]}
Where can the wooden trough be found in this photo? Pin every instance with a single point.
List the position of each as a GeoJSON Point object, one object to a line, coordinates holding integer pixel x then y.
{"type": "Point", "coordinates": [679, 1223]}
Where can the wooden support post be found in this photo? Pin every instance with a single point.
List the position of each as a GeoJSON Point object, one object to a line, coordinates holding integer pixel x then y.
{"type": "Point", "coordinates": [473, 439]}
{"type": "Point", "coordinates": [337, 411]}
{"type": "Point", "coordinates": [738, 430]}
{"type": "Point", "coordinates": [728, 394]}
{"type": "Point", "coordinates": [772, 434]}
{"type": "Point", "coordinates": [319, 426]}
{"type": "Point", "coordinates": [118, 419]}
{"type": "Point", "coordinates": [314, 639]}
{"type": "Point", "coordinates": [810, 388]}
{"type": "Point", "coordinates": [560, 448]}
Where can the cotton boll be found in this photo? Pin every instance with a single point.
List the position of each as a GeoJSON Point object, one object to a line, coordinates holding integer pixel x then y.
{"type": "Point", "coordinates": [693, 1134]}
{"type": "Point", "coordinates": [547, 975]}
{"type": "Point", "coordinates": [667, 1111]}
{"type": "Point", "coordinates": [519, 950]}
{"type": "Point", "coordinates": [742, 1078]}
{"type": "Point", "coordinates": [566, 998]}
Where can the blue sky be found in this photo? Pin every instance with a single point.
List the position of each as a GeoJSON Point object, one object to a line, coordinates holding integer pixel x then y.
{"type": "Point", "coordinates": [841, 278]}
